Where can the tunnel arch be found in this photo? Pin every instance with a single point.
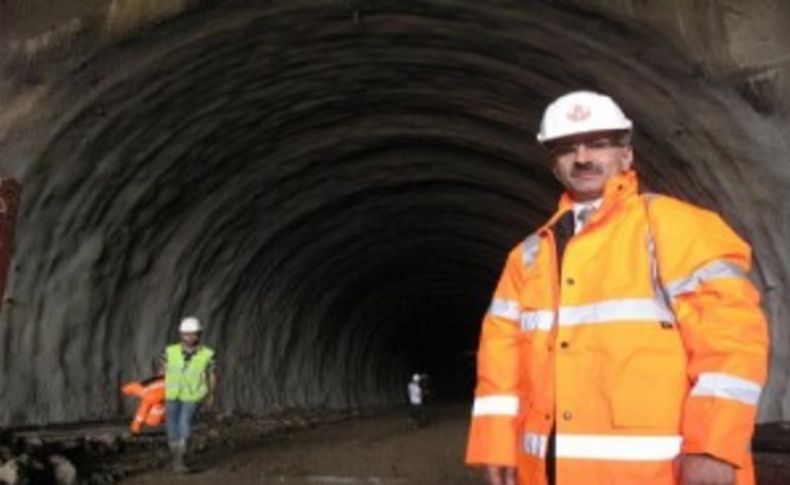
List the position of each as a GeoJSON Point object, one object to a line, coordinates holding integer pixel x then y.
{"type": "Point", "coordinates": [299, 176]}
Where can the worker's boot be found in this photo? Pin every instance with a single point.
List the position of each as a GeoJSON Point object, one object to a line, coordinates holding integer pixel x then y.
{"type": "Point", "coordinates": [182, 445]}
{"type": "Point", "coordinates": [177, 452]}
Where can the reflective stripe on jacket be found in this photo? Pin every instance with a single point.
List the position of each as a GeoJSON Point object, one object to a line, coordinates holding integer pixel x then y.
{"type": "Point", "coordinates": [187, 380]}
{"type": "Point", "coordinates": [646, 342]}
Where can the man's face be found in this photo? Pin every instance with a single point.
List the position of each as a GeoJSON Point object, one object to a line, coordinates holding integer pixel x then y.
{"type": "Point", "coordinates": [190, 339]}
{"type": "Point", "coordinates": [584, 163]}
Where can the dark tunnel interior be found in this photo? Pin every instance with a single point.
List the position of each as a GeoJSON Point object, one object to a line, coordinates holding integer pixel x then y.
{"type": "Point", "coordinates": [332, 191]}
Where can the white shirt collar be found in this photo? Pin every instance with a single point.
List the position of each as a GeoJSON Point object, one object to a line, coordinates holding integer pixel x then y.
{"type": "Point", "coordinates": [595, 204]}
{"type": "Point", "coordinates": [579, 206]}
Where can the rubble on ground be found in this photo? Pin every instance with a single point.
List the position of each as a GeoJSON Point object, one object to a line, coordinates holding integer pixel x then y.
{"type": "Point", "coordinates": [100, 454]}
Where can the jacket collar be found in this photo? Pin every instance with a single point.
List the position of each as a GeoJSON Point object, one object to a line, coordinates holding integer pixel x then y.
{"type": "Point", "coordinates": [618, 188]}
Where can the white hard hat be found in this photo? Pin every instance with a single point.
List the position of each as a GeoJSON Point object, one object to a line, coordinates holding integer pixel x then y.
{"type": "Point", "coordinates": [581, 112]}
{"type": "Point", "coordinates": [190, 325]}
{"type": "Point", "coordinates": [415, 377]}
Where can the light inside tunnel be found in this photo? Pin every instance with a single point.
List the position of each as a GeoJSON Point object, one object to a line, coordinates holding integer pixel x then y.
{"type": "Point", "coordinates": [332, 194]}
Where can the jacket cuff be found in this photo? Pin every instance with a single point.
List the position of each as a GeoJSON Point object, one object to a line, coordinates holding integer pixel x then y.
{"type": "Point", "coordinates": [493, 440]}
{"type": "Point", "coordinates": [719, 427]}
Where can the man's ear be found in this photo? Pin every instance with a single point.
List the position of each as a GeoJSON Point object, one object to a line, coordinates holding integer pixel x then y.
{"type": "Point", "coordinates": [628, 157]}
{"type": "Point", "coordinates": [556, 172]}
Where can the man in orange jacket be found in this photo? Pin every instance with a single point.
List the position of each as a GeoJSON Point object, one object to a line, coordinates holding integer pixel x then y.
{"type": "Point", "coordinates": [151, 409]}
{"type": "Point", "coordinates": [625, 343]}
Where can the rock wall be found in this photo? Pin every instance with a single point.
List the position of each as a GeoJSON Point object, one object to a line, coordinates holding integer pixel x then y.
{"type": "Point", "coordinates": [332, 186]}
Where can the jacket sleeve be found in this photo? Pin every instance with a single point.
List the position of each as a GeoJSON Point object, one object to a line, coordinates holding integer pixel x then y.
{"type": "Point", "coordinates": [493, 437]}
{"type": "Point", "coordinates": [704, 267]}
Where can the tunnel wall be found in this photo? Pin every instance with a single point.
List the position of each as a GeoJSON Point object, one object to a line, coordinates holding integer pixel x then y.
{"type": "Point", "coordinates": [332, 186]}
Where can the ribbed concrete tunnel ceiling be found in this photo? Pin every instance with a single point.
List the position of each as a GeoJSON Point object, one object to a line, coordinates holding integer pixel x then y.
{"type": "Point", "coordinates": [333, 191]}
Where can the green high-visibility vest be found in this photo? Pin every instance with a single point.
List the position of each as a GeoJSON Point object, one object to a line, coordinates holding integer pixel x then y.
{"type": "Point", "coordinates": [187, 381]}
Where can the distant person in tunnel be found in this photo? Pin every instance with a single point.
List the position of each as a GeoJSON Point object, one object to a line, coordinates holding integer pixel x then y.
{"type": "Point", "coordinates": [625, 342]}
{"type": "Point", "coordinates": [190, 379]}
{"type": "Point", "coordinates": [416, 401]}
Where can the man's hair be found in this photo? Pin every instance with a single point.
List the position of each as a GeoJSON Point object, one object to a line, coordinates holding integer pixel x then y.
{"type": "Point", "coordinates": [623, 138]}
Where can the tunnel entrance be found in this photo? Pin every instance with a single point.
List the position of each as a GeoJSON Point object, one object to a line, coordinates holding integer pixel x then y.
{"type": "Point", "coordinates": [332, 190]}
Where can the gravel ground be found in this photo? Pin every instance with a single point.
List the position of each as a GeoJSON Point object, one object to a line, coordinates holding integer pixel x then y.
{"type": "Point", "coordinates": [382, 450]}
{"type": "Point", "coordinates": [316, 447]}
{"type": "Point", "coordinates": [376, 450]}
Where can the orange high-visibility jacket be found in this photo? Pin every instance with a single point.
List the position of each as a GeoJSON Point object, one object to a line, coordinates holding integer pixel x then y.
{"type": "Point", "coordinates": [645, 343]}
{"type": "Point", "coordinates": [151, 409]}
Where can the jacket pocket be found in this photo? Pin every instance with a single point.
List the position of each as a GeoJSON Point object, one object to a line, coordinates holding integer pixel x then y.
{"type": "Point", "coordinates": [650, 389]}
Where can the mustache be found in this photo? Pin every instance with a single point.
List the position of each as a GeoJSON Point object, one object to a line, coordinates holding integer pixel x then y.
{"type": "Point", "coordinates": [586, 168]}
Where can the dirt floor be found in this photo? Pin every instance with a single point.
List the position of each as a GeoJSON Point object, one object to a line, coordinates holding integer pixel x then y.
{"type": "Point", "coordinates": [383, 450]}
{"type": "Point", "coordinates": [380, 450]}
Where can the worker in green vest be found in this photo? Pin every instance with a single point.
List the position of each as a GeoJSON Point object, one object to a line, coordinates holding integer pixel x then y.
{"type": "Point", "coordinates": [190, 380]}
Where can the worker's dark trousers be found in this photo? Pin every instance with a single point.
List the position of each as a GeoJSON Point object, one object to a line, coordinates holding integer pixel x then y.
{"type": "Point", "coordinates": [417, 415]}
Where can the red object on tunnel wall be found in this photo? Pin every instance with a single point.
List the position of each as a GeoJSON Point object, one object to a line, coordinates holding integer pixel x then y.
{"type": "Point", "coordinates": [9, 203]}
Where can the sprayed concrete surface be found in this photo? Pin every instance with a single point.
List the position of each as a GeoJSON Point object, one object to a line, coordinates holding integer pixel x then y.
{"type": "Point", "coordinates": [332, 186]}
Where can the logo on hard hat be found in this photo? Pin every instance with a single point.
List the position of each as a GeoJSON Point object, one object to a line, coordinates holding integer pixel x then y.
{"type": "Point", "coordinates": [579, 113]}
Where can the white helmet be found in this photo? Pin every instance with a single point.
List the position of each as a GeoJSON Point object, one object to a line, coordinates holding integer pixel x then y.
{"type": "Point", "coordinates": [415, 377]}
{"type": "Point", "coordinates": [190, 325]}
{"type": "Point", "coordinates": [581, 112]}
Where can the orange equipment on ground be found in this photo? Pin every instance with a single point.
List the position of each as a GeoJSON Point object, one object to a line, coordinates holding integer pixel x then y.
{"type": "Point", "coordinates": [151, 410]}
